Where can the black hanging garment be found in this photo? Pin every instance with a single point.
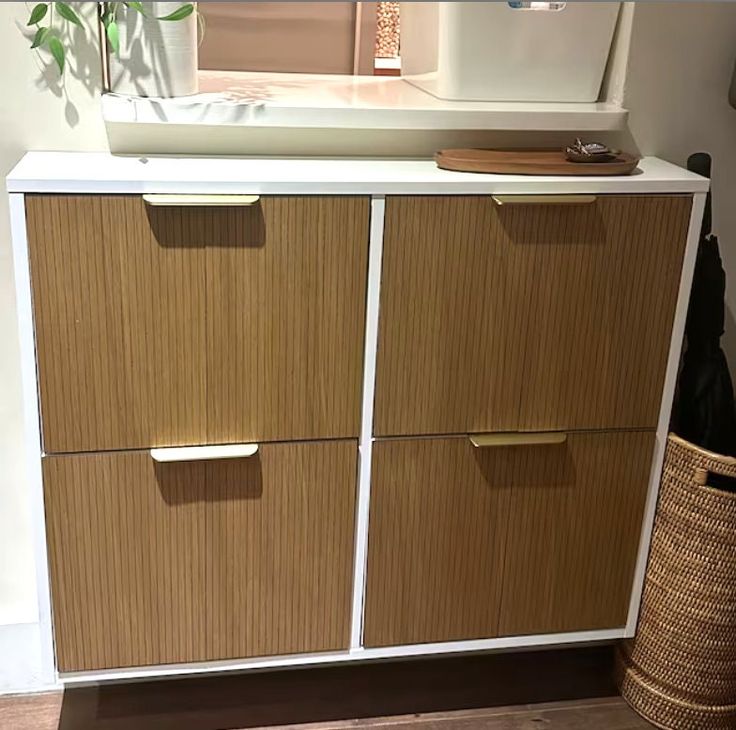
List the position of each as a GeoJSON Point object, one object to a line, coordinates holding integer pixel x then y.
{"type": "Point", "coordinates": [704, 413]}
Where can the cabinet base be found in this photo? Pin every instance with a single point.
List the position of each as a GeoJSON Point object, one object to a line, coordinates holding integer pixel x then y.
{"type": "Point", "coordinates": [508, 643]}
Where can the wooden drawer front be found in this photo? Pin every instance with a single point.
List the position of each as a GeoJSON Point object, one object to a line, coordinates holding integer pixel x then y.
{"type": "Point", "coordinates": [179, 326]}
{"type": "Point", "coordinates": [166, 563]}
{"type": "Point", "coordinates": [470, 543]}
{"type": "Point", "coordinates": [529, 317]}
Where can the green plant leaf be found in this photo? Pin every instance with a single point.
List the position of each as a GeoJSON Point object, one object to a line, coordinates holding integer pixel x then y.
{"type": "Point", "coordinates": [57, 51]}
{"type": "Point", "coordinates": [109, 14]}
{"type": "Point", "coordinates": [180, 13]}
{"type": "Point", "coordinates": [38, 13]}
{"type": "Point", "coordinates": [67, 13]}
{"type": "Point", "coordinates": [113, 36]}
{"type": "Point", "coordinates": [138, 7]}
{"type": "Point", "coordinates": [41, 37]}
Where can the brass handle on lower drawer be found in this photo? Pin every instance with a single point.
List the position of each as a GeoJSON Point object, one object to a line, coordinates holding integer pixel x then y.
{"type": "Point", "coordinates": [204, 453]}
{"type": "Point", "coordinates": [543, 199]}
{"type": "Point", "coordinates": [483, 440]}
{"type": "Point", "coordinates": [199, 201]}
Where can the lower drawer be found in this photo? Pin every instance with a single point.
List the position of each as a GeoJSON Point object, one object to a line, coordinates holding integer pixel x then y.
{"type": "Point", "coordinates": [470, 543]}
{"type": "Point", "coordinates": [164, 563]}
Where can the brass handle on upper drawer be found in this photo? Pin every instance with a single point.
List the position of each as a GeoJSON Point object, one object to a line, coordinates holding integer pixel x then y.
{"type": "Point", "coordinates": [543, 199]}
{"type": "Point", "coordinates": [483, 440]}
{"type": "Point", "coordinates": [199, 201]}
{"type": "Point", "coordinates": [204, 453]}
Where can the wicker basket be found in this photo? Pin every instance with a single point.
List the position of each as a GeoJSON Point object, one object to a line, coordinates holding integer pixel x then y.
{"type": "Point", "coordinates": [680, 670]}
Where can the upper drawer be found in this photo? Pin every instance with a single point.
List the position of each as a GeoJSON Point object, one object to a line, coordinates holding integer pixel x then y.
{"type": "Point", "coordinates": [526, 316]}
{"type": "Point", "coordinates": [173, 326]}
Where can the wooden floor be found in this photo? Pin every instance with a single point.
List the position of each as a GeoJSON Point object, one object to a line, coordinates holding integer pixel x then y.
{"type": "Point", "coordinates": [565, 690]}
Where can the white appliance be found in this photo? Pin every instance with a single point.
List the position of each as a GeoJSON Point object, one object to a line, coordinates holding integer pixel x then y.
{"type": "Point", "coordinates": [507, 51]}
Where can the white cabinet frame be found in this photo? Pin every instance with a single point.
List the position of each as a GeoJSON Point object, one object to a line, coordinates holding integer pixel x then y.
{"type": "Point", "coordinates": [99, 174]}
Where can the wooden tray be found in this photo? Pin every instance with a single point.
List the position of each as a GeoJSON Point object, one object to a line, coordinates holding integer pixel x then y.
{"type": "Point", "coordinates": [530, 162]}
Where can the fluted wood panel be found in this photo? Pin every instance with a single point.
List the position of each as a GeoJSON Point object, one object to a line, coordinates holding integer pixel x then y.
{"type": "Point", "coordinates": [470, 543]}
{"type": "Point", "coordinates": [166, 563]}
{"type": "Point", "coordinates": [601, 312]}
{"type": "Point", "coordinates": [573, 534]}
{"type": "Point", "coordinates": [286, 312]}
{"type": "Point", "coordinates": [436, 541]}
{"type": "Point", "coordinates": [173, 326]}
{"type": "Point", "coordinates": [280, 557]}
{"type": "Point", "coordinates": [450, 338]}
{"type": "Point", "coordinates": [120, 325]}
{"type": "Point", "coordinates": [526, 317]}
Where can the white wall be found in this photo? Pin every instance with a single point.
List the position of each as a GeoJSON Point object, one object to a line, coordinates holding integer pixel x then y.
{"type": "Point", "coordinates": [34, 114]}
{"type": "Point", "coordinates": [681, 60]}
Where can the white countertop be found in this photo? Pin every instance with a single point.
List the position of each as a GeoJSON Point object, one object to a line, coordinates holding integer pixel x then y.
{"type": "Point", "coordinates": [93, 172]}
{"type": "Point", "coordinates": [293, 100]}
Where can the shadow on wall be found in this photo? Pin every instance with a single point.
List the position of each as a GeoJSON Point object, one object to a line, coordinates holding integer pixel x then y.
{"type": "Point", "coordinates": [83, 65]}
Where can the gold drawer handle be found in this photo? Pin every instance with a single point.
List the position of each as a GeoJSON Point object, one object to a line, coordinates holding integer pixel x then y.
{"type": "Point", "coordinates": [543, 199]}
{"type": "Point", "coordinates": [484, 440]}
{"type": "Point", "coordinates": [204, 453]}
{"type": "Point", "coordinates": [199, 201]}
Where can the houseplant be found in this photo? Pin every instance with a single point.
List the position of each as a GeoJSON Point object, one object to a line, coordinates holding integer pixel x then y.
{"type": "Point", "coordinates": [148, 49]}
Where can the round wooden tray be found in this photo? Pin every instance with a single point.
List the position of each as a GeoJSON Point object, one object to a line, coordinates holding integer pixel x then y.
{"type": "Point", "coordinates": [531, 162]}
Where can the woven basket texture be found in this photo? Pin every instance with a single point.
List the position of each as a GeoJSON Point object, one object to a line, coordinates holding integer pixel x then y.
{"type": "Point", "coordinates": [679, 672]}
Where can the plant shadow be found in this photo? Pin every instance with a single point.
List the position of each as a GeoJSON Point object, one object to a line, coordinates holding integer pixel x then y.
{"type": "Point", "coordinates": [82, 61]}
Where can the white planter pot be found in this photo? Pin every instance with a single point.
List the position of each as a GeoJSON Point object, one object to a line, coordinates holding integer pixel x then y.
{"type": "Point", "coordinates": [157, 57]}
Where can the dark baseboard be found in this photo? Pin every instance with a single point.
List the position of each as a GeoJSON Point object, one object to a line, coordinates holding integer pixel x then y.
{"type": "Point", "coordinates": [343, 692]}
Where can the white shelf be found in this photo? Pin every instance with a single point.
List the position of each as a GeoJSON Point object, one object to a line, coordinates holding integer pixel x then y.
{"type": "Point", "coordinates": [101, 172]}
{"type": "Point", "coordinates": [348, 102]}
{"type": "Point", "coordinates": [388, 64]}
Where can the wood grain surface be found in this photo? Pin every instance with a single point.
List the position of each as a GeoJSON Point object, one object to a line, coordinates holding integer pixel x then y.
{"type": "Point", "coordinates": [469, 543]}
{"type": "Point", "coordinates": [573, 531]}
{"type": "Point", "coordinates": [46, 712]}
{"type": "Point", "coordinates": [178, 326]}
{"type": "Point", "coordinates": [166, 563]}
{"type": "Point", "coordinates": [532, 162]}
{"type": "Point", "coordinates": [286, 314]}
{"type": "Point", "coordinates": [436, 544]}
{"type": "Point", "coordinates": [526, 317]}
{"type": "Point", "coordinates": [601, 309]}
{"type": "Point", "coordinates": [120, 330]}
{"type": "Point", "coordinates": [450, 338]}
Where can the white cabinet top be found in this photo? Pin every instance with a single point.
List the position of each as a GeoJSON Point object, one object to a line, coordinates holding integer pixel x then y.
{"type": "Point", "coordinates": [99, 172]}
